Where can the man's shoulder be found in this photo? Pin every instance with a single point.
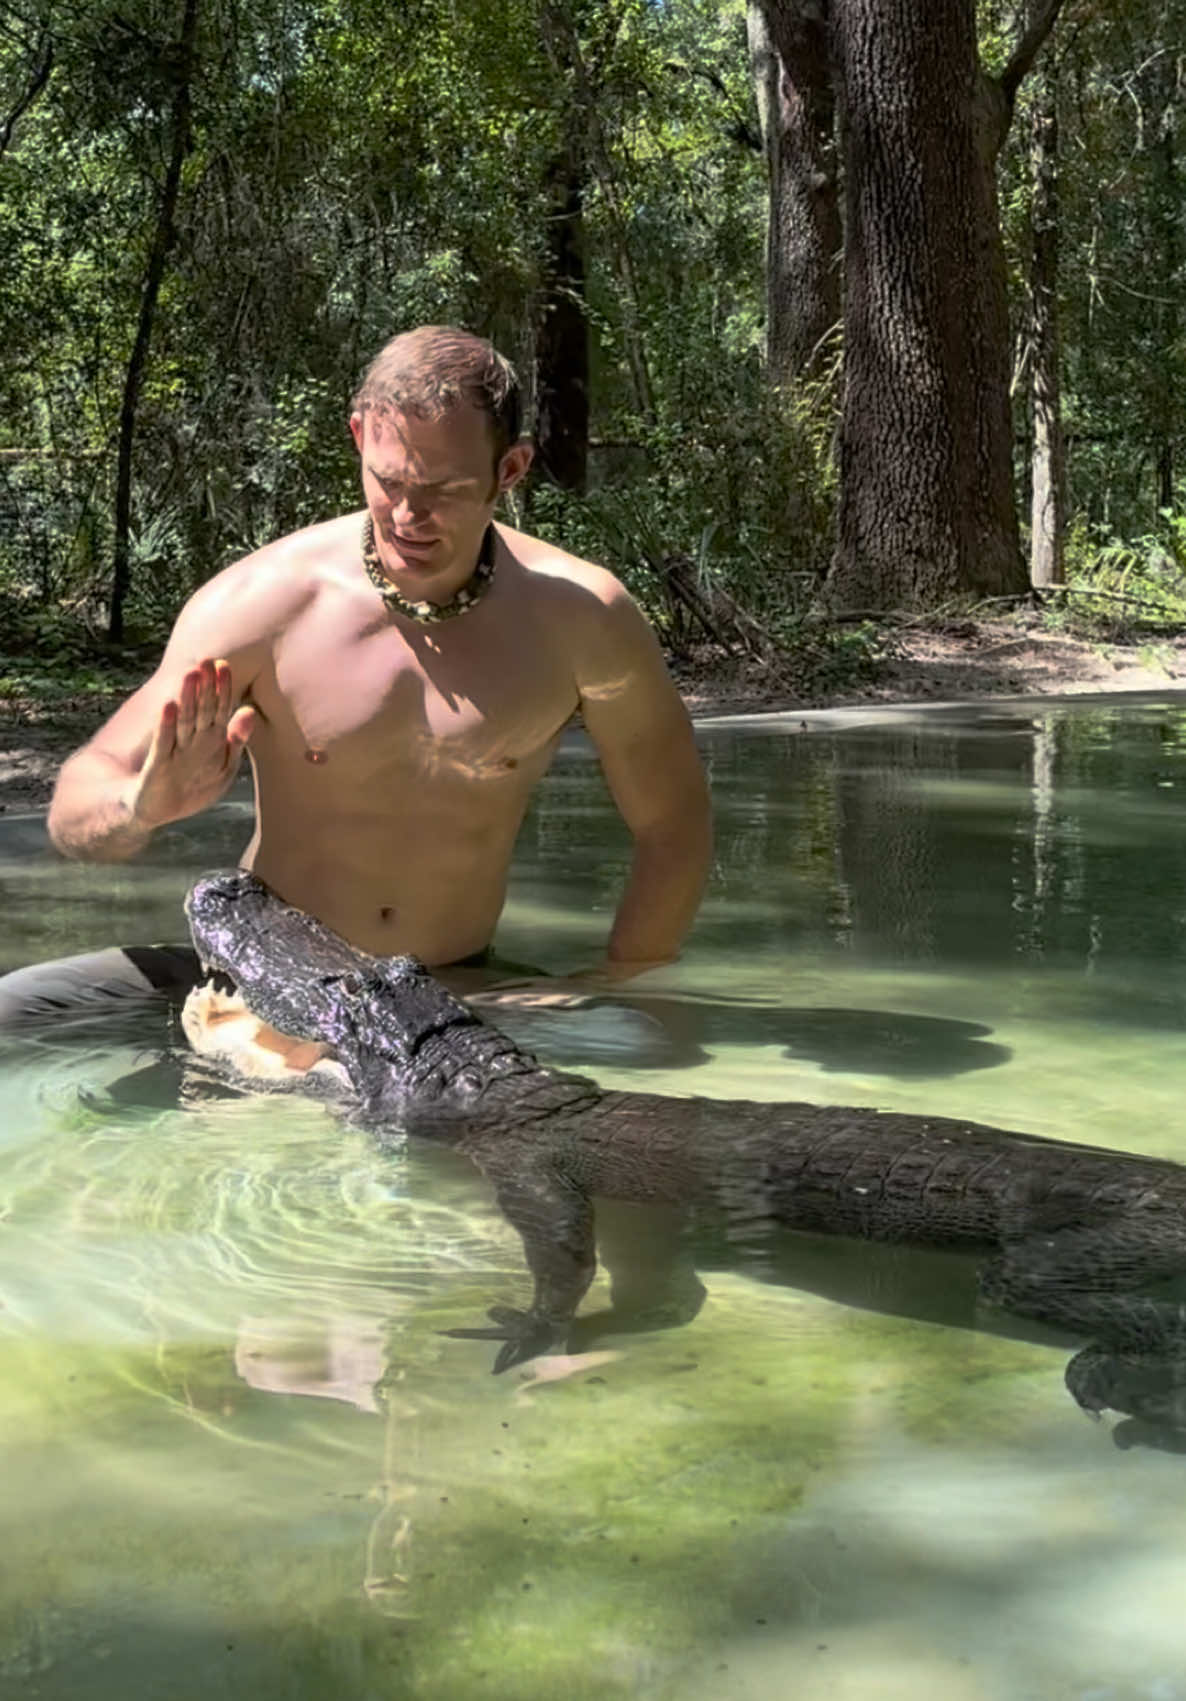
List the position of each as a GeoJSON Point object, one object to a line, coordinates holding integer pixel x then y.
{"type": "Point", "coordinates": [598, 624]}
{"type": "Point", "coordinates": [316, 554]}
{"type": "Point", "coordinates": [255, 598]}
{"type": "Point", "coordinates": [553, 573]}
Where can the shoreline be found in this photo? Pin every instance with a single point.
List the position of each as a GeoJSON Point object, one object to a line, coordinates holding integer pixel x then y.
{"type": "Point", "coordinates": [938, 664]}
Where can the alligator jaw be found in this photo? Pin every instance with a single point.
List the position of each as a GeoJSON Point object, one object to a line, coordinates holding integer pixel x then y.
{"type": "Point", "coordinates": [290, 970]}
{"type": "Point", "coordinates": [385, 1019]}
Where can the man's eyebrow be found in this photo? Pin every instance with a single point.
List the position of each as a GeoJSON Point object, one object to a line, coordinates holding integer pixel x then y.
{"type": "Point", "coordinates": [395, 477]}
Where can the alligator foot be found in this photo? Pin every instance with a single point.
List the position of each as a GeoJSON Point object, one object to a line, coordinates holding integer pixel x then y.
{"type": "Point", "coordinates": [1135, 1432]}
{"type": "Point", "coordinates": [524, 1333]}
{"type": "Point", "coordinates": [1149, 1387]}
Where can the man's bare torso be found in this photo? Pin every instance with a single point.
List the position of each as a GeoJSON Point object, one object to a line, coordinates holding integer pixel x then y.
{"type": "Point", "coordinates": [394, 760]}
{"type": "Point", "coordinates": [393, 763]}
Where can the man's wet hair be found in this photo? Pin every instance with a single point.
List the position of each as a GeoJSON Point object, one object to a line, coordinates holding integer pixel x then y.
{"type": "Point", "coordinates": [436, 368]}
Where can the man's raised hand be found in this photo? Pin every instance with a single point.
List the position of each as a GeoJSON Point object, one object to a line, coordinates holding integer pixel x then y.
{"type": "Point", "coordinates": [195, 751]}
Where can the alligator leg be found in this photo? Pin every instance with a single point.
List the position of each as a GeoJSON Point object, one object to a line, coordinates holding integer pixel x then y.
{"type": "Point", "coordinates": [645, 1252]}
{"type": "Point", "coordinates": [1095, 1282]}
{"type": "Point", "coordinates": [555, 1222]}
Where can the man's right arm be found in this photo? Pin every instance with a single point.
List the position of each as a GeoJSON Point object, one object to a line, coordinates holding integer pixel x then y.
{"type": "Point", "coordinates": [175, 746]}
{"type": "Point", "coordinates": [157, 760]}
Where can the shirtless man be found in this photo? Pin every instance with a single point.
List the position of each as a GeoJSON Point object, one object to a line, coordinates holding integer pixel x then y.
{"type": "Point", "coordinates": [401, 677]}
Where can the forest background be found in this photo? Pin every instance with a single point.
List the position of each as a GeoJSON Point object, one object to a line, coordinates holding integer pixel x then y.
{"type": "Point", "coordinates": [835, 315]}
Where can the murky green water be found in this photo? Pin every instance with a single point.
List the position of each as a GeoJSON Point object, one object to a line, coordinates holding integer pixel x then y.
{"type": "Point", "coordinates": [239, 1459]}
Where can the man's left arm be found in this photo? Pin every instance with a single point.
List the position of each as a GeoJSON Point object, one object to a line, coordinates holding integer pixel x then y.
{"type": "Point", "coordinates": [643, 737]}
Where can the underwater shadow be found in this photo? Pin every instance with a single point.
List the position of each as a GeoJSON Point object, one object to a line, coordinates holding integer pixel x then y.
{"type": "Point", "coordinates": [674, 1033]}
{"type": "Point", "coordinates": [653, 1256]}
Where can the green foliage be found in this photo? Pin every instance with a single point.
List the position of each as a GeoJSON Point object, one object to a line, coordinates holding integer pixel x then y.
{"type": "Point", "coordinates": [49, 659]}
{"type": "Point", "coordinates": [354, 169]}
{"type": "Point", "coordinates": [744, 495]}
{"type": "Point", "coordinates": [821, 659]}
{"type": "Point", "coordinates": [1121, 105]}
{"type": "Point", "coordinates": [1120, 588]}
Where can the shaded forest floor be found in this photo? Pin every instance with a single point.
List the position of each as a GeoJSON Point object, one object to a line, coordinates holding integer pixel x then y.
{"type": "Point", "coordinates": [942, 661]}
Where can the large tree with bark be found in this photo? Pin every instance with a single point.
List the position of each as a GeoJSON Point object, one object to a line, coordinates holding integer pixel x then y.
{"type": "Point", "coordinates": [926, 506]}
{"type": "Point", "coordinates": [790, 62]}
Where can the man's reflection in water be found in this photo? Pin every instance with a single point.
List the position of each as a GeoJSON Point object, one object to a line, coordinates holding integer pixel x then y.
{"type": "Point", "coordinates": [345, 1358]}
{"type": "Point", "coordinates": [348, 1357]}
{"type": "Point", "coordinates": [342, 1358]}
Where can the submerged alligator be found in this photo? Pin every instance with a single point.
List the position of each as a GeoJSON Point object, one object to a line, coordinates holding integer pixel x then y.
{"type": "Point", "coordinates": [1078, 1238]}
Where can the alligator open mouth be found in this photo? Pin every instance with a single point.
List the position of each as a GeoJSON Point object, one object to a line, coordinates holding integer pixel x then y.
{"type": "Point", "coordinates": [218, 1025]}
{"type": "Point", "coordinates": [381, 1025]}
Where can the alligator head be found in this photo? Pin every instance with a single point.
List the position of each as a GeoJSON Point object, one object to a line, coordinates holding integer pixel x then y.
{"type": "Point", "coordinates": [405, 1043]}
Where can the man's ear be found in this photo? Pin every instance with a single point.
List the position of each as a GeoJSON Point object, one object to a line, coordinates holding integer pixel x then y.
{"type": "Point", "coordinates": [514, 465]}
{"type": "Point", "coordinates": [357, 428]}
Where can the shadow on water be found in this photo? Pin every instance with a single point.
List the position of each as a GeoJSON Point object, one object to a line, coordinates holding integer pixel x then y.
{"type": "Point", "coordinates": [653, 1255]}
{"type": "Point", "coordinates": [868, 1042]}
{"type": "Point", "coordinates": [674, 1033]}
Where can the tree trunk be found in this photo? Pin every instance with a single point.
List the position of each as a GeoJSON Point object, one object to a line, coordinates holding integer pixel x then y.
{"type": "Point", "coordinates": [563, 46]}
{"type": "Point", "coordinates": [926, 493]}
{"type": "Point", "coordinates": [792, 79]}
{"type": "Point", "coordinates": [562, 337]}
{"type": "Point", "coordinates": [162, 242]}
{"type": "Point", "coordinates": [38, 78]}
{"type": "Point", "coordinates": [1048, 463]}
{"type": "Point", "coordinates": [1168, 83]}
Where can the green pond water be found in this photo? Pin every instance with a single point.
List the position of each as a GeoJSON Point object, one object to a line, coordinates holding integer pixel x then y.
{"type": "Point", "coordinates": [239, 1458]}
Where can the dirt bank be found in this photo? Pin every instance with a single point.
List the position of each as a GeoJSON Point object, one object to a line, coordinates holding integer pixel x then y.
{"type": "Point", "coordinates": [957, 661]}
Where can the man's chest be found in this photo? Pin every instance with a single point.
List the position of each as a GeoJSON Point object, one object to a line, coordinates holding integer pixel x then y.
{"type": "Point", "coordinates": [481, 701]}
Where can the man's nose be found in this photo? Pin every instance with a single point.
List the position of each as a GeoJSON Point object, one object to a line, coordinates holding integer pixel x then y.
{"type": "Point", "coordinates": [412, 505]}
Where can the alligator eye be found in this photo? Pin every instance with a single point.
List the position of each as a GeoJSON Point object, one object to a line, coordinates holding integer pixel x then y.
{"type": "Point", "coordinates": [467, 1084]}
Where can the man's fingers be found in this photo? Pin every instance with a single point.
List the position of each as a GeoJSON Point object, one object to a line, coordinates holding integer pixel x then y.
{"type": "Point", "coordinates": [203, 700]}
{"type": "Point", "coordinates": [241, 725]}
{"type": "Point", "coordinates": [222, 692]}
{"type": "Point", "coordinates": [187, 707]}
{"type": "Point", "coordinates": [203, 703]}
{"type": "Point", "coordinates": [535, 995]}
{"type": "Point", "coordinates": [206, 697]}
{"type": "Point", "coordinates": [164, 739]}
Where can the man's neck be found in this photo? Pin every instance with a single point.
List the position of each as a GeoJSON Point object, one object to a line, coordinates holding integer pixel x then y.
{"type": "Point", "coordinates": [446, 602]}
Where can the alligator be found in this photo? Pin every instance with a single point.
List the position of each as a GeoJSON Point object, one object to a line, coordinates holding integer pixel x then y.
{"type": "Point", "coordinates": [1082, 1240]}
